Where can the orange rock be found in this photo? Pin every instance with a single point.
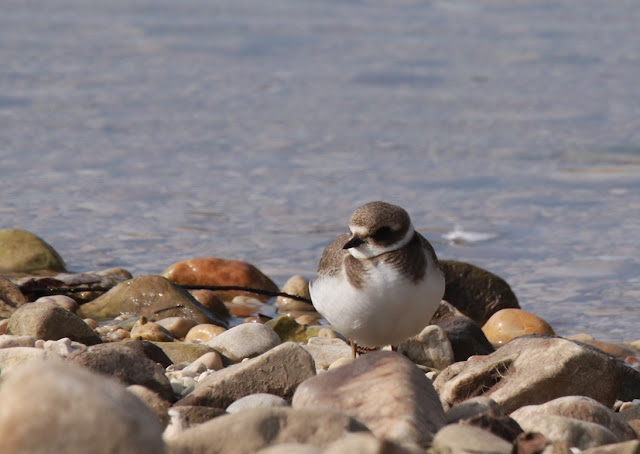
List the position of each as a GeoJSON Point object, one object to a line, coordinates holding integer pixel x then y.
{"type": "Point", "coordinates": [215, 271]}
{"type": "Point", "coordinates": [508, 324]}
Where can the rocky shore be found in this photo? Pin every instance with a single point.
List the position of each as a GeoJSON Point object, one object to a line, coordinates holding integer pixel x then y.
{"type": "Point", "coordinates": [104, 362]}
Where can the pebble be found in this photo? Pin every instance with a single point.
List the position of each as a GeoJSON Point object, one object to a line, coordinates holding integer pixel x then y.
{"type": "Point", "coordinates": [259, 400]}
{"type": "Point", "coordinates": [92, 323]}
{"type": "Point", "coordinates": [508, 324]}
{"type": "Point", "coordinates": [194, 369]}
{"type": "Point", "coordinates": [307, 319]}
{"type": "Point", "coordinates": [63, 347]}
{"type": "Point", "coordinates": [178, 327]}
{"type": "Point", "coordinates": [245, 341]}
{"type": "Point", "coordinates": [461, 438]}
{"type": "Point", "coordinates": [325, 351]}
{"type": "Point", "coordinates": [150, 331]}
{"type": "Point", "coordinates": [203, 333]}
{"type": "Point", "coordinates": [242, 310]}
{"type": "Point", "coordinates": [118, 334]}
{"type": "Point", "coordinates": [209, 300]}
{"type": "Point", "coordinates": [3, 326]}
{"type": "Point", "coordinates": [429, 348]}
{"type": "Point", "coordinates": [339, 362]}
{"type": "Point", "coordinates": [63, 301]}
{"type": "Point", "coordinates": [211, 360]}
{"type": "Point", "coordinates": [296, 285]}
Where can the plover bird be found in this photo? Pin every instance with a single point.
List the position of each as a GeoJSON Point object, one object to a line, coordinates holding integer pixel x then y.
{"type": "Point", "coordinates": [382, 283]}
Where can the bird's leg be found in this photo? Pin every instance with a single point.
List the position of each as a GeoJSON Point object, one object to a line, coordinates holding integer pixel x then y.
{"type": "Point", "coordinates": [354, 349]}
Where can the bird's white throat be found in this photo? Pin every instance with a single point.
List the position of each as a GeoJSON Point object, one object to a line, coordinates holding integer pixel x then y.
{"type": "Point", "coordinates": [367, 250]}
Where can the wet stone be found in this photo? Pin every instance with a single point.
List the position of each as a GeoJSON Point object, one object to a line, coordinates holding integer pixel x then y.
{"type": "Point", "coordinates": [151, 296]}
{"type": "Point", "coordinates": [212, 271]}
{"type": "Point", "coordinates": [507, 324]}
{"type": "Point", "coordinates": [203, 333]}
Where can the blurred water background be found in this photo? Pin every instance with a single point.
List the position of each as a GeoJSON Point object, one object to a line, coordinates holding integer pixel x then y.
{"type": "Point", "coordinates": [140, 133]}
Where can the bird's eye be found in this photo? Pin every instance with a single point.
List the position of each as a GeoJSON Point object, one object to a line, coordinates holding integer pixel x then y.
{"type": "Point", "coordinates": [382, 233]}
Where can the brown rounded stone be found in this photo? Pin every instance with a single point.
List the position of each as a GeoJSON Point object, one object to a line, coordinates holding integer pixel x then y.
{"type": "Point", "coordinates": [65, 302]}
{"type": "Point", "coordinates": [91, 322]}
{"type": "Point", "coordinates": [216, 271]}
{"type": "Point", "coordinates": [145, 330]}
{"type": "Point", "coordinates": [209, 300]}
{"type": "Point", "coordinates": [177, 326]}
{"type": "Point", "coordinates": [203, 333]}
{"type": "Point", "coordinates": [508, 324]}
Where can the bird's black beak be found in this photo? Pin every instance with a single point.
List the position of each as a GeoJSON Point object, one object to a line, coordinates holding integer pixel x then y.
{"type": "Point", "coordinates": [355, 241]}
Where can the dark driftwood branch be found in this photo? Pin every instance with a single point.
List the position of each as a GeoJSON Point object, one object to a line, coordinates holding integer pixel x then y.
{"type": "Point", "coordinates": [53, 290]}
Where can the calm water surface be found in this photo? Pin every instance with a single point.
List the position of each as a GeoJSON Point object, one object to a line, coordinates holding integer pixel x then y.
{"type": "Point", "coordinates": [137, 134]}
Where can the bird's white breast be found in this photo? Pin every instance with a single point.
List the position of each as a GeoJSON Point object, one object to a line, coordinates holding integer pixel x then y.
{"type": "Point", "coordinates": [387, 309]}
